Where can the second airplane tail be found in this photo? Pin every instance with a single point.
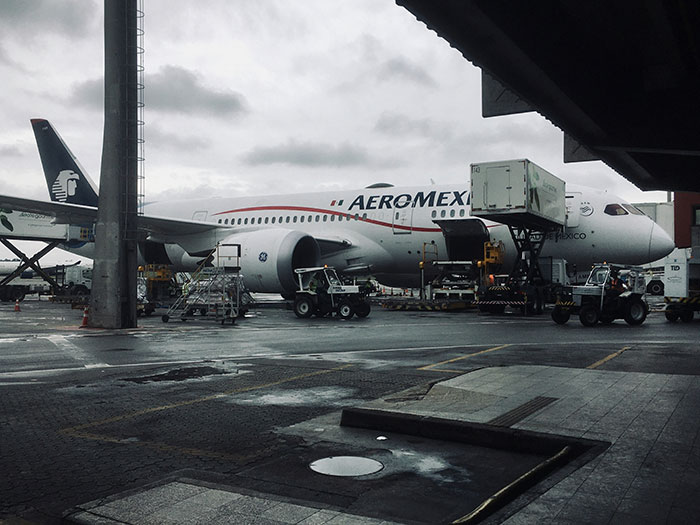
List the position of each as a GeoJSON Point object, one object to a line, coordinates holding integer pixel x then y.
{"type": "Point", "coordinates": [65, 177]}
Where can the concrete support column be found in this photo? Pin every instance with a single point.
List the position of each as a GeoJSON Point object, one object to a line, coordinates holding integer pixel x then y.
{"type": "Point", "coordinates": [113, 296]}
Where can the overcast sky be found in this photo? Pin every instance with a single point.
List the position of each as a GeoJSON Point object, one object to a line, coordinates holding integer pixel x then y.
{"type": "Point", "coordinates": [252, 97]}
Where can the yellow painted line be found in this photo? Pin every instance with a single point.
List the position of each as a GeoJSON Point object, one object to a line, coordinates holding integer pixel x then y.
{"type": "Point", "coordinates": [435, 365]}
{"type": "Point", "coordinates": [608, 358]}
{"type": "Point", "coordinates": [76, 430]}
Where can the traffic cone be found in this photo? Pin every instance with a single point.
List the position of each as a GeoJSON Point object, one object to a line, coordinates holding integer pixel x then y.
{"type": "Point", "coordinates": [17, 308]}
{"type": "Point", "coordinates": [85, 318]}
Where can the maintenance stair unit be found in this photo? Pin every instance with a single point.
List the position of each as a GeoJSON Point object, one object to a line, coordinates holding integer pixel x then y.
{"type": "Point", "coordinates": [214, 292]}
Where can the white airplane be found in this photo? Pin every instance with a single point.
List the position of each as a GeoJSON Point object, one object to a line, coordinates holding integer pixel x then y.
{"type": "Point", "coordinates": [381, 230]}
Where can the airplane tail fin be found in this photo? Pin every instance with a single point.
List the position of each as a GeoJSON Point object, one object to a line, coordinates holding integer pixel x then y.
{"type": "Point", "coordinates": [65, 177]}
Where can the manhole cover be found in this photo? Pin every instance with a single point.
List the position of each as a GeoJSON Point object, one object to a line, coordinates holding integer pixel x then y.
{"type": "Point", "coordinates": [346, 466]}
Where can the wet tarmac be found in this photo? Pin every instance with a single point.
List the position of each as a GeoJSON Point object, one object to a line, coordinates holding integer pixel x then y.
{"type": "Point", "coordinates": [98, 415]}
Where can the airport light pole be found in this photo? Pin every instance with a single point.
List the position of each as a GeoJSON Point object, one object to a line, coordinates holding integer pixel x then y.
{"type": "Point", "coordinates": [113, 295]}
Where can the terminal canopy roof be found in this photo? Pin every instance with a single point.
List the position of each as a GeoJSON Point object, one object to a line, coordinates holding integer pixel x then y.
{"type": "Point", "coordinates": [621, 78]}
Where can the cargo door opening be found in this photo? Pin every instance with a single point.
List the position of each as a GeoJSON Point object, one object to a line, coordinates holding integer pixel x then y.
{"type": "Point", "coordinates": [464, 238]}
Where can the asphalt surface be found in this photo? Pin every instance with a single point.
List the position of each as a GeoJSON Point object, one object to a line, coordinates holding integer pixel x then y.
{"type": "Point", "coordinates": [89, 414]}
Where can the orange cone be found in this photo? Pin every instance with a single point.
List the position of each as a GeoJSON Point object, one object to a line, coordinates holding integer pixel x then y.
{"type": "Point", "coordinates": [17, 308]}
{"type": "Point", "coordinates": [85, 318]}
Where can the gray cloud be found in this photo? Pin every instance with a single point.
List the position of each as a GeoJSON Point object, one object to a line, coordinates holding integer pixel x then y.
{"type": "Point", "coordinates": [89, 93]}
{"type": "Point", "coordinates": [396, 124]}
{"type": "Point", "coordinates": [10, 151]}
{"type": "Point", "coordinates": [401, 69]}
{"type": "Point", "coordinates": [309, 154]}
{"type": "Point", "coordinates": [156, 137]}
{"type": "Point", "coordinates": [177, 90]}
{"type": "Point", "coordinates": [70, 18]}
{"type": "Point", "coordinates": [174, 90]}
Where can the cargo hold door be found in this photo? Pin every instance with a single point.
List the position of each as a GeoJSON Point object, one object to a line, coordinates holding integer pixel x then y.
{"type": "Point", "coordinates": [464, 238]}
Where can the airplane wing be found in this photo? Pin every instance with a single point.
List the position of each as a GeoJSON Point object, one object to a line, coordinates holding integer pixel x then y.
{"type": "Point", "coordinates": [63, 213]}
{"type": "Point", "coordinates": [77, 214]}
{"type": "Point", "coordinates": [330, 245]}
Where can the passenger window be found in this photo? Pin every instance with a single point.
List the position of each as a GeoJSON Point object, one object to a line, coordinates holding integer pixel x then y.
{"type": "Point", "coordinates": [294, 219]}
{"type": "Point", "coordinates": [442, 213]}
{"type": "Point", "coordinates": [340, 218]}
{"type": "Point", "coordinates": [325, 218]}
{"type": "Point", "coordinates": [433, 214]}
{"type": "Point", "coordinates": [615, 209]}
{"type": "Point", "coordinates": [286, 219]}
{"type": "Point", "coordinates": [245, 221]}
{"type": "Point", "coordinates": [266, 219]}
{"type": "Point", "coordinates": [259, 220]}
{"type": "Point", "coordinates": [239, 220]}
{"type": "Point", "coordinates": [301, 219]}
{"type": "Point", "coordinates": [311, 218]}
{"type": "Point", "coordinates": [219, 221]}
{"type": "Point", "coordinates": [364, 216]}
{"type": "Point", "coordinates": [452, 213]}
{"type": "Point", "coordinates": [273, 220]}
{"type": "Point", "coordinates": [332, 218]}
{"type": "Point", "coordinates": [461, 212]}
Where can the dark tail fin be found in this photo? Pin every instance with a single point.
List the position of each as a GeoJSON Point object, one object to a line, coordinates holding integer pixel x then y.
{"type": "Point", "coordinates": [65, 177]}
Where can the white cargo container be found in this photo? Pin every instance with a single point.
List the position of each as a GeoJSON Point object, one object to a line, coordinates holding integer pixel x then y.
{"type": "Point", "coordinates": [518, 193]}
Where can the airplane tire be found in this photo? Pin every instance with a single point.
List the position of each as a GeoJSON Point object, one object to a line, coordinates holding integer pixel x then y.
{"type": "Point", "coordinates": [303, 307]}
{"type": "Point", "coordinates": [635, 312]}
{"type": "Point", "coordinates": [345, 310]}
{"type": "Point", "coordinates": [560, 316]}
{"type": "Point", "coordinates": [588, 315]}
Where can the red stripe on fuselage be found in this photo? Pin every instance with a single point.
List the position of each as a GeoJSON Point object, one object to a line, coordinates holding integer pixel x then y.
{"type": "Point", "coordinates": [330, 212]}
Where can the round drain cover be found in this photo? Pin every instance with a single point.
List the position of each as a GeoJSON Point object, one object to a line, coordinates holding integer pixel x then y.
{"type": "Point", "coordinates": [346, 466]}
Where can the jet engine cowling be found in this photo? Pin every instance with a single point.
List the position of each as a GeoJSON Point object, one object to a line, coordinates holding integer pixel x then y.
{"type": "Point", "coordinates": [269, 257]}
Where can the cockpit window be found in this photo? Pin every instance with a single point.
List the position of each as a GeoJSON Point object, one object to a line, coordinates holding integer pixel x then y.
{"type": "Point", "coordinates": [615, 209]}
{"type": "Point", "coordinates": [632, 209]}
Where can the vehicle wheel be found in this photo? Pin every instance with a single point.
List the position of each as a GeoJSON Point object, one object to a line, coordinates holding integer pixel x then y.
{"type": "Point", "coordinates": [655, 287]}
{"type": "Point", "coordinates": [202, 311]}
{"type": "Point", "coordinates": [671, 315]}
{"type": "Point", "coordinates": [635, 312]}
{"type": "Point", "coordinates": [165, 318]}
{"type": "Point", "coordinates": [588, 315]}
{"type": "Point", "coordinates": [362, 309]}
{"type": "Point", "coordinates": [303, 307]}
{"type": "Point", "coordinates": [560, 316]}
{"type": "Point", "coordinates": [345, 310]}
{"type": "Point", "coordinates": [686, 316]}
{"type": "Point", "coordinates": [81, 290]}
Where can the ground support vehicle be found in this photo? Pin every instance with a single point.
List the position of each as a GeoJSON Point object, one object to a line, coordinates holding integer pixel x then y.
{"type": "Point", "coordinates": [611, 292]}
{"type": "Point", "coordinates": [214, 292]}
{"type": "Point", "coordinates": [682, 290]}
{"type": "Point", "coordinates": [682, 308]}
{"type": "Point", "coordinates": [321, 293]}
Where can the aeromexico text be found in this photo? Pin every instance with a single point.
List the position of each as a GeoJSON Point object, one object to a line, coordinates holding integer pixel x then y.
{"type": "Point", "coordinates": [404, 200]}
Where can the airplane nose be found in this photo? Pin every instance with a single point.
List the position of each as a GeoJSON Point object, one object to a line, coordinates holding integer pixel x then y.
{"type": "Point", "coordinates": [660, 244]}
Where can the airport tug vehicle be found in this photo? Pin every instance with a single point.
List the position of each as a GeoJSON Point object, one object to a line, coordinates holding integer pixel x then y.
{"type": "Point", "coordinates": [611, 292]}
{"type": "Point", "coordinates": [321, 292]}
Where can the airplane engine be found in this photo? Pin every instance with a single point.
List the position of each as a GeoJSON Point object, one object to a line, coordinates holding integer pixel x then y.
{"type": "Point", "coordinates": [269, 257]}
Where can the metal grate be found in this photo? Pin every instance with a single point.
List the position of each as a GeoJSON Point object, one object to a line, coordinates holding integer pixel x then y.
{"type": "Point", "coordinates": [521, 412]}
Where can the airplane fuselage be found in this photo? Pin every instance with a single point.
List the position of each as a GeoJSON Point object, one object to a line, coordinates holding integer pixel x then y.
{"type": "Point", "coordinates": [391, 229]}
